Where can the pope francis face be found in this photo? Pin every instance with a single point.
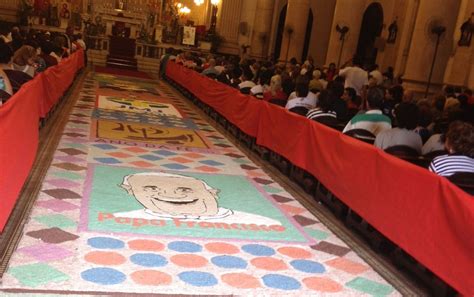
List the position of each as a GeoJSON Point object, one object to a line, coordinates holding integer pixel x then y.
{"type": "Point", "coordinates": [173, 194]}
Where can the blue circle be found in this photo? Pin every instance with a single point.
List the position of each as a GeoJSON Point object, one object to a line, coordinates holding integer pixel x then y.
{"type": "Point", "coordinates": [258, 250]}
{"type": "Point", "coordinates": [184, 247]}
{"type": "Point", "coordinates": [198, 279]}
{"type": "Point", "coordinates": [229, 262]}
{"type": "Point", "coordinates": [105, 243]}
{"type": "Point", "coordinates": [282, 282]}
{"type": "Point", "coordinates": [103, 276]}
{"type": "Point", "coordinates": [149, 260]}
{"type": "Point", "coordinates": [308, 266]}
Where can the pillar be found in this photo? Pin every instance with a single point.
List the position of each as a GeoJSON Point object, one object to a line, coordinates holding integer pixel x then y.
{"type": "Point", "coordinates": [262, 27]}
{"type": "Point", "coordinates": [458, 71]}
{"type": "Point", "coordinates": [296, 19]}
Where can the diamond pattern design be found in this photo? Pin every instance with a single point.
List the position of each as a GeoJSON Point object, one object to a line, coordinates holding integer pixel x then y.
{"type": "Point", "coordinates": [69, 166]}
{"type": "Point", "coordinates": [72, 151]}
{"type": "Point", "coordinates": [52, 235]}
{"type": "Point", "coordinates": [175, 166]}
{"type": "Point", "coordinates": [62, 194]}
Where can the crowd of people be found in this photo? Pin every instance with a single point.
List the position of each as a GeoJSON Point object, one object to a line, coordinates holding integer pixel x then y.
{"type": "Point", "coordinates": [24, 54]}
{"type": "Point", "coordinates": [359, 101]}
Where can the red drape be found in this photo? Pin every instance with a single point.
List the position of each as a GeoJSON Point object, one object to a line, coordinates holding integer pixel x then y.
{"type": "Point", "coordinates": [421, 212]}
{"type": "Point", "coordinates": [19, 123]}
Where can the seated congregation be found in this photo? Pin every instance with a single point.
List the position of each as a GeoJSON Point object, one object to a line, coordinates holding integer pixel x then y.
{"type": "Point", "coordinates": [436, 133]}
{"type": "Point", "coordinates": [23, 55]}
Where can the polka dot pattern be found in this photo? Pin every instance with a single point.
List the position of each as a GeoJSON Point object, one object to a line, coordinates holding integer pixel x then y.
{"type": "Point", "coordinates": [189, 261]}
{"type": "Point", "coordinates": [241, 280]}
{"type": "Point", "coordinates": [151, 278]}
{"type": "Point", "coordinates": [282, 282]}
{"type": "Point", "coordinates": [105, 243]}
{"type": "Point", "coordinates": [295, 252]}
{"type": "Point", "coordinates": [105, 258]}
{"type": "Point", "coordinates": [308, 266]}
{"type": "Point", "coordinates": [146, 245]}
{"type": "Point", "coordinates": [269, 264]}
{"type": "Point", "coordinates": [230, 262]}
{"type": "Point", "coordinates": [149, 260]}
{"type": "Point", "coordinates": [198, 278]}
{"type": "Point", "coordinates": [258, 250]}
{"type": "Point", "coordinates": [103, 276]}
{"type": "Point", "coordinates": [185, 247]}
{"type": "Point", "coordinates": [322, 284]}
{"type": "Point", "coordinates": [222, 248]}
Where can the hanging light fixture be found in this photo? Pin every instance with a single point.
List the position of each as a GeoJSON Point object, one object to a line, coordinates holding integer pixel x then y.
{"type": "Point", "coordinates": [215, 2]}
{"type": "Point", "coordinates": [198, 2]}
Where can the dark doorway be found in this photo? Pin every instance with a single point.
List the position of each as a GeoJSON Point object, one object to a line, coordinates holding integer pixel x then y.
{"type": "Point", "coordinates": [371, 28]}
{"type": "Point", "coordinates": [280, 30]}
{"type": "Point", "coordinates": [307, 37]}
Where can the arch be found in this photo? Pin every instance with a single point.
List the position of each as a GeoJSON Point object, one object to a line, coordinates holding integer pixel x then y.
{"type": "Point", "coordinates": [307, 37]}
{"type": "Point", "coordinates": [370, 29]}
{"type": "Point", "coordinates": [280, 30]}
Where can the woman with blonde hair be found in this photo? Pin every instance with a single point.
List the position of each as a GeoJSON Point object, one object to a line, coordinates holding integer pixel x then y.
{"type": "Point", "coordinates": [24, 60]}
{"type": "Point", "coordinates": [276, 90]}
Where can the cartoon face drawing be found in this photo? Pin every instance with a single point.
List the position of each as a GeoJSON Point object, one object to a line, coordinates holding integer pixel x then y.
{"type": "Point", "coordinates": [172, 194]}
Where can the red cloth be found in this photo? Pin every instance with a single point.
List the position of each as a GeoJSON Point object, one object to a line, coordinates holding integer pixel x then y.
{"type": "Point", "coordinates": [18, 143]}
{"type": "Point", "coordinates": [421, 212]}
{"type": "Point", "coordinates": [19, 124]}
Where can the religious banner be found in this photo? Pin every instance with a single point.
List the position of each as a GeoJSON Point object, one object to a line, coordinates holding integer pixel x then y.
{"type": "Point", "coordinates": [189, 35]}
{"type": "Point", "coordinates": [197, 205]}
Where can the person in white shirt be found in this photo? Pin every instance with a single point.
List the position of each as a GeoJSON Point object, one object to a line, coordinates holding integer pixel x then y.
{"type": "Point", "coordinates": [376, 75]}
{"type": "Point", "coordinates": [355, 77]}
{"type": "Point", "coordinates": [302, 99]}
{"type": "Point", "coordinates": [178, 197]}
{"type": "Point", "coordinates": [247, 82]}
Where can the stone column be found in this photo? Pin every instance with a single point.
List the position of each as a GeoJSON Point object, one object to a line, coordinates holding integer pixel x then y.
{"type": "Point", "coordinates": [296, 19]}
{"type": "Point", "coordinates": [262, 28]}
{"type": "Point", "coordinates": [458, 71]}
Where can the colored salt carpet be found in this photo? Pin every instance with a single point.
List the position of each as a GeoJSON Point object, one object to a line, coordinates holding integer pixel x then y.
{"type": "Point", "coordinates": [145, 196]}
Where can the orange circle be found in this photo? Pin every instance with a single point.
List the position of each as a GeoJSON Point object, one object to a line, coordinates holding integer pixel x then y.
{"type": "Point", "coordinates": [268, 263]}
{"type": "Point", "coordinates": [105, 258]}
{"type": "Point", "coordinates": [295, 252]}
{"type": "Point", "coordinates": [322, 284]}
{"type": "Point", "coordinates": [241, 280]}
{"type": "Point", "coordinates": [222, 248]}
{"type": "Point", "coordinates": [189, 260]}
{"type": "Point", "coordinates": [146, 245]}
{"type": "Point", "coordinates": [151, 278]}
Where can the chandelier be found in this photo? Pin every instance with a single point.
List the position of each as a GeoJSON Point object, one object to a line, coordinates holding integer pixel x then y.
{"type": "Point", "coordinates": [198, 2]}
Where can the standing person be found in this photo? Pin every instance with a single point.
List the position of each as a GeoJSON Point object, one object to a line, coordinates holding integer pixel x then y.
{"type": "Point", "coordinates": [355, 76]}
{"type": "Point", "coordinates": [331, 72]}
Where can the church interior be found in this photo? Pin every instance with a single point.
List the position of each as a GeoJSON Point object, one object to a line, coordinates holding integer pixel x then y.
{"type": "Point", "coordinates": [236, 147]}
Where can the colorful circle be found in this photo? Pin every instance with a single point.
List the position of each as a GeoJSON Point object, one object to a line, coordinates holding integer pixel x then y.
{"type": "Point", "coordinates": [308, 266]}
{"type": "Point", "coordinates": [189, 260]}
{"type": "Point", "coordinates": [229, 262]}
{"type": "Point", "coordinates": [322, 284]}
{"type": "Point", "coordinates": [222, 248]}
{"type": "Point", "coordinates": [198, 278]}
{"type": "Point", "coordinates": [148, 260]}
{"type": "Point", "coordinates": [105, 258]}
{"type": "Point", "coordinates": [103, 276]}
{"type": "Point", "coordinates": [105, 243]}
{"type": "Point", "coordinates": [185, 247]}
{"type": "Point", "coordinates": [151, 278]}
{"type": "Point", "coordinates": [241, 280]}
{"type": "Point", "coordinates": [270, 264]}
{"type": "Point", "coordinates": [295, 252]}
{"type": "Point", "coordinates": [258, 250]}
{"type": "Point", "coordinates": [146, 245]}
{"type": "Point", "coordinates": [282, 282]}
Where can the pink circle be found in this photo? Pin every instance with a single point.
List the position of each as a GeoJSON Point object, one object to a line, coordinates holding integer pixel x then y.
{"type": "Point", "coordinates": [222, 248]}
{"type": "Point", "coordinates": [105, 258]}
{"type": "Point", "coordinates": [322, 284]}
{"type": "Point", "coordinates": [268, 263]}
{"type": "Point", "coordinates": [146, 245]}
{"type": "Point", "coordinates": [151, 278]}
{"type": "Point", "coordinates": [241, 280]}
{"type": "Point", "coordinates": [295, 252]}
{"type": "Point", "coordinates": [189, 260]}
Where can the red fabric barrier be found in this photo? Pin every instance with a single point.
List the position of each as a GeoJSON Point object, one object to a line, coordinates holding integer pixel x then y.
{"type": "Point", "coordinates": [423, 213]}
{"type": "Point", "coordinates": [18, 143]}
{"type": "Point", "coordinates": [58, 79]}
{"type": "Point", "coordinates": [19, 124]}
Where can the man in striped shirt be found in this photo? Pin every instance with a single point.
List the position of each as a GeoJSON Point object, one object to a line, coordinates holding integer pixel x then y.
{"type": "Point", "coordinates": [460, 145]}
{"type": "Point", "coordinates": [373, 120]}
